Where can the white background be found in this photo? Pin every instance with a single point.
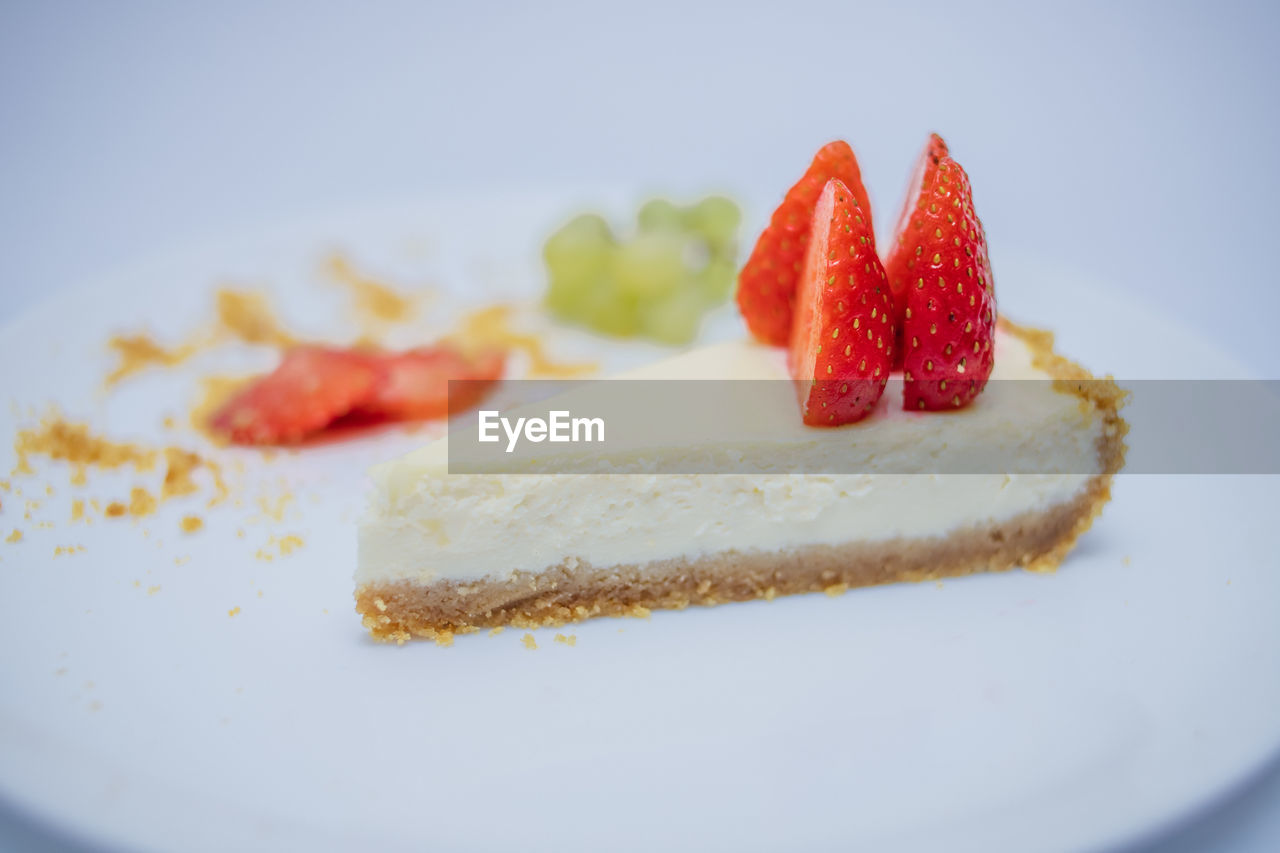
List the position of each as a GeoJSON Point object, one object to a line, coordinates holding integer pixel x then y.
{"type": "Point", "coordinates": [1133, 142]}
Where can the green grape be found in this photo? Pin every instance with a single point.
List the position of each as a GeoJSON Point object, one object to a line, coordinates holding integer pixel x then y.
{"type": "Point", "coordinates": [716, 218]}
{"type": "Point", "coordinates": [658, 214]}
{"type": "Point", "coordinates": [715, 280]}
{"type": "Point", "coordinates": [651, 265]}
{"type": "Point", "coordinates": [608, 310]}
{"type": "Point", "coordinates": [675, 318]}
{"type": "Point", "coordinates": [565, 296]}
{"type": "Point", "coordinates": [581, 251]}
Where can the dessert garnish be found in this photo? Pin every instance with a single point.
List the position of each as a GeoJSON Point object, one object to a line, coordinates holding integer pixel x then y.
{"type": "Point", "coordinates": [948, 299]}
{"type": "Point", "coordinates": [936, 279]}
{"type": "Point", "coordinates": [314, 386]}
{"type": "Point", "coordinates": [767, 284]}
{"type": "Point", "coordinates": [657, 283]}
{"type": "Point", "coordinates": [842, 337]}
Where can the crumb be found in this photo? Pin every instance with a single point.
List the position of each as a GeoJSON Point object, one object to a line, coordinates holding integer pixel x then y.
{"type": "Point", "coordinates": [135, 353]}
{"type": "Point", "coordinates": [529, 641]}
{"type": "Point", "coordinates": [182, 561]}
{"type": "Point", "coordinates": [247, 316]}
{"type": "Point", "coordinates": [233, 611]}
{"type": "Point", "coordinates": [14, 537]}
{"type": "Point", "coordinates": [137, 584]}
{"type": "Point", "coordinates": [141, 502]}
{"type": "Point", "coordinates": [259, 593]}
{"type": "Point", "coordinates": [491, 327]}
{"type": "Point", "coordinates": [1127, 561]}
{"type": "Point", "coordinates": [169, 422]}
{"type": "Point", "coordinates": [77, 510]}
{"type": "Point", "coordinates": [48, 490]}
{"type": "Point", "coordinates": [325, 611]}
{"type": "Point", "coordinates": [74, 444]}
{"type": "Point", "coordinates": [152, 590]}
{"type": "Point", "coordinates": [179, 466]}
{"type": "Point", "coordinates": [836, 589]}
{"type": "Point", "coordinates": [289, 544]}
{"type": "Point", "coordinates": [115, 509]}
{"type": "Point", "coordinates": [192, 523]}
{"type": "Point", "coordinates": [496, 631]}
{"type": "Point", "coordinates": [275, 509]}
{"type": "Point", "coordinates": [444, 639]}
{"type": "Point", "coordinates": [374, 299]}
{"type": "Point", "coordinates": [571, 640]}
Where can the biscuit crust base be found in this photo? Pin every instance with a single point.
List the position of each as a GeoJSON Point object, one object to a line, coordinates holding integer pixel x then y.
{"type": "Point", "coordinates": [574, 590]}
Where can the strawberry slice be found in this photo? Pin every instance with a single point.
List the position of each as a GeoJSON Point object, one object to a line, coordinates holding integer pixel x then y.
{"type": "Point", "coordinates": [414, 385]}
{"type": "Point", "coordinates": [767, 284]}
{"type": "Point", "coordinates": [895, 262]}
{"type": "Point", "coordinates": [949, 304]}
{"type": "Point", "coordinates": [311, 388]}
{"type": "Point", "coordinates": [842, 342]}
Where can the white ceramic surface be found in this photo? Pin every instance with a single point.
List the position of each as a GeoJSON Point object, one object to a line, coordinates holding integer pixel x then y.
{"type": "Point", "coordinates": [1018, 711]}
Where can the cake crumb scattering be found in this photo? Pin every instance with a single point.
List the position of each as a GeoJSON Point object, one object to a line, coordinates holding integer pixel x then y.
{"type": "Point", "coordinates": [152, 590]}
{"type": "Point", "coordinates": [192, 523]}
{"type": "Point", "coordinates": [275, 509]}
{"type": "Point", "coordinates": [571, 640]}
{"type": "Point", "coordinates": [529, 641]}
{"type": "Point", "coordinates": [14, 537]}
{"type": "Point", "coordinates": [135, 353]}
{"type": "Point", "coordinates": [496, 631]}
{"type": "Point", "coordinates": [233, 611]}
{"type": "Point", "coordinates": [247, 316]}
{"type": "Point", "coordinates": [374, 299]}
{"type": "Point", "coordinates": [68, 550]}
{"type": "Point", "coordinates": [115, 509]}
{"type": "Point", "coordinates": [73, 443]}
{"type": "Point", "coordinates": [490, 328]}
{"type": "Point", "coordinates": [141, 502]}
{"type": "Point", "coordinates": [77, 510]}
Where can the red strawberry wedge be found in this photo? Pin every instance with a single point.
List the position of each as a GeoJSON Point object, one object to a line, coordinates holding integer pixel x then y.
{"type": "Point", "coordinates": [895, 262]}
{"type": "Point", "coordinates": [949, 304]}
{"type": "Point", "coordinates": [767, 284]}
{"type": "Point", "coordinates": [312, 387]}
{"type": "Point", "coordinates": [414, 385]}
{"type": "Point", "coordinates": [842, 339]}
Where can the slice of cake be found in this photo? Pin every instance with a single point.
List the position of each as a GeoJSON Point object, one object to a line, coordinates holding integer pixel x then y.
{"type": "Point", "coordinates": [442, 554]}
{"type": "Point", "coordinates": [858, 485]}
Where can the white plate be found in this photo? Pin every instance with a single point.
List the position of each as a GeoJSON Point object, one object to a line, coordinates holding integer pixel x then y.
{"type": "Point", "coordinates": [1014, 712]}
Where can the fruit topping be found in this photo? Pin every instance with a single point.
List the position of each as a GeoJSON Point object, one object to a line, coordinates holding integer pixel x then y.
{"type": "Point", "coordinates": [767, 284]}
{"type": "Point", "coordinates": [842, 339]}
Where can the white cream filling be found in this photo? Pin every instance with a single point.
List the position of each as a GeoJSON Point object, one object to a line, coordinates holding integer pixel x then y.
{"type": "Point", "coordinates": [426, 525]}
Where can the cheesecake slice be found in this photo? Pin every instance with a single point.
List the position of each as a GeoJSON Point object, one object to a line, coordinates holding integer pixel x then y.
{"type": "Point", "coordinates": [442, 553]}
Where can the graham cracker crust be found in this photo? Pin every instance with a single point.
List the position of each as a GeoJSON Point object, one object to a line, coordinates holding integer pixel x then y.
{"type": "Point", "coordinates": [574, 590]}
